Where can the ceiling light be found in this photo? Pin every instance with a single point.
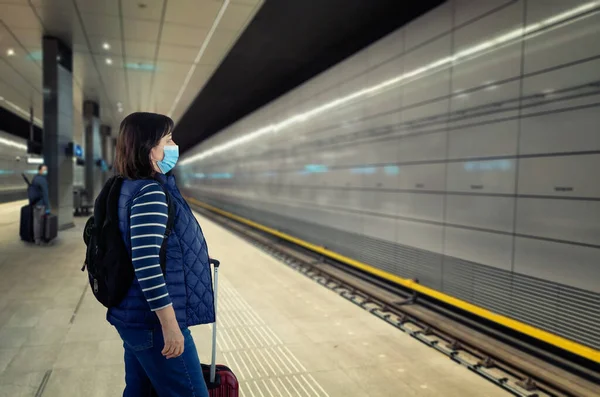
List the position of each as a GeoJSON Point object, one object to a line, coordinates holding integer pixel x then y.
{"type": "Point", "coordinates": [106, 46]}
{"type": "Point", "coordinates": [108, 61]}
{"type": "Point", "coordinates": [35, 56]}
{"type": "Point", "coordinates": [140, 66]}
{"type": "Point", "coordinates": [10, 52]}
{"type": "Point", "coordinates": [35, 160]}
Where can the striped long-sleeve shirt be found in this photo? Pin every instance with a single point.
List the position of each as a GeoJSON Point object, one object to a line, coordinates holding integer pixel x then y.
{"type": "Point", "coordinates": [148, 222]}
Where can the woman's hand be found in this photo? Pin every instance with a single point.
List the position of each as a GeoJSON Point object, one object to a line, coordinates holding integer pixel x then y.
{"type": "Point", "coordinates": [174, 341]}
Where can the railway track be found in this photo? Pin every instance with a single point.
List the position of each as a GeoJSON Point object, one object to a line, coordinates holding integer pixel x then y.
{"type": "Point", "coordinates": [517, 366]}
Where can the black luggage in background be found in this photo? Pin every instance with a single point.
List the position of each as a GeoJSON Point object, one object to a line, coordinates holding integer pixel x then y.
{"type": "Point", "coordinates": [26, 223]}
{"type": "Point", "coordinates": [26, 226]}
{"type": "Point", "coordinates": [50, 229]}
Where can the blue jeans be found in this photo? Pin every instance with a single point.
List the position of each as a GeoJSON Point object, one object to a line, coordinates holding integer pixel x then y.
{"type": "Point", "coordinates": [148, 372]}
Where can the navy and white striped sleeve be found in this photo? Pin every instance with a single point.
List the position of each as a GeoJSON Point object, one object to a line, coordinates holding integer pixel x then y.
{"type": "Point", "coordinates": [148, 222]}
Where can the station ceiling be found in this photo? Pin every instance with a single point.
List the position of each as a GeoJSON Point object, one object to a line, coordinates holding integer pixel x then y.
{"type": "Point", "coordinates": [128, 55]}
{"type": "Point", "coordinates": [206, 63]}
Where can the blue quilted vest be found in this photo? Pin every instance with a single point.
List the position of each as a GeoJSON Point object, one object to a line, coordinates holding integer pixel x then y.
{"type": "Point", "coordinates": [188, 273]}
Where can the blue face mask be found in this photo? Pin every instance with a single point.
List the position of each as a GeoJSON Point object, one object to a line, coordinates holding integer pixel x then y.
{"type": "Point", "coordinates": [45, 172]}
{"type": "Point", "coordinates": [171, 156]}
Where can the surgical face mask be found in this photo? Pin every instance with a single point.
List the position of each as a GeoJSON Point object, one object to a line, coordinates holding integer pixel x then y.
{"type": "Point", "coordinates": [45, 172]}
{"type": "Point", "coordinates": [171, 156]}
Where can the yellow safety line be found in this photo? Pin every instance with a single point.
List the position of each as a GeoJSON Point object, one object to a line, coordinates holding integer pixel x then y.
{"type": "Point", "coordinates": [555, 340]}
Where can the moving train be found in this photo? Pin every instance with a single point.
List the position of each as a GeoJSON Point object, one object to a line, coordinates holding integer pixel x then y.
{"type": "Point", "coordinates": [460, 151]}
{"type": "Point", "coordinates": [14, 162]}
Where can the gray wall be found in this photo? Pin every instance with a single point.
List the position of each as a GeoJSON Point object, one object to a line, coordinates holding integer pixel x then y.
{"type": "Point", "coordinates": [461, 149]}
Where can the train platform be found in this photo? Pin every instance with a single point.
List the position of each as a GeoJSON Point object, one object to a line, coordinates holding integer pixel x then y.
{"type": "Point", "coordinates": [281, 333]}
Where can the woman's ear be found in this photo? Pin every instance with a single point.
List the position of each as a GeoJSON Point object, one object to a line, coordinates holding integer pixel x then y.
{"type": "Point", "coordinates": [155, 157]}
{"type": "Point", "coordinates": [155, 154]}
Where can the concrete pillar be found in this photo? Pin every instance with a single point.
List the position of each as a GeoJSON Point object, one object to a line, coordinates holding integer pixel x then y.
{"type": "Point", "coordinates": [93, 150]}
{"type": "Point", "coordinates": [58, 127]}
{"type": "Point", "coordinates": [107, 150]}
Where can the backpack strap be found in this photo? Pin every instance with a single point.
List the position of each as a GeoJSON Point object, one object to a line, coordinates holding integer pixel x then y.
{"type": "Point", "coordinates": [107, 203]}
{"type": "Point", "coordinates": [26, 179]}
{"type": "Point", "coordinates": [112, 201]}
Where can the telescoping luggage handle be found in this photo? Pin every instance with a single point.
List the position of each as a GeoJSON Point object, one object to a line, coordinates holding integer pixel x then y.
{"type": "Point", "coordinates": [213, 364]}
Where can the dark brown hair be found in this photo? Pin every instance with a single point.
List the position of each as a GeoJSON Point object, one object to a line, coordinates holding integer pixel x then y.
{"type": "Point", "coordinates": [138, 134]}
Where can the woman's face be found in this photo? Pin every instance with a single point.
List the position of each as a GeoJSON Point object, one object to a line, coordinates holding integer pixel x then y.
{"type": "Point", "coordinates": [158, 152]}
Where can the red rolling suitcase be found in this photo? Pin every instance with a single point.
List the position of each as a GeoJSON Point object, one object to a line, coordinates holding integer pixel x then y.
{"type": "Point", "coordinates": [220, 380]}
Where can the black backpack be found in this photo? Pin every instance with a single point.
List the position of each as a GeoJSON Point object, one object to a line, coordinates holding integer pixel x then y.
{"type": "Point", "coordinates": [34, 193]}
{"type": "Point", "coordinates": [108, 262]}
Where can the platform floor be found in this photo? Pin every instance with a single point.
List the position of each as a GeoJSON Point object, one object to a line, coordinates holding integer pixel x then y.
{"type": "Point", "coordinates": [283, 334]}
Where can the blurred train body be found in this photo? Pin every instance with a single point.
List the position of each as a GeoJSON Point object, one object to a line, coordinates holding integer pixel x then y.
{"type": "Point", "coordinates": [14, 162]}
{"type": "Point", "coordinates": [461, 150]}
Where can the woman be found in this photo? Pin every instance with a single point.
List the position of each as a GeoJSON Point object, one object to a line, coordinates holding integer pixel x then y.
{"type": "Point", "coordinates": [154, 317]}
